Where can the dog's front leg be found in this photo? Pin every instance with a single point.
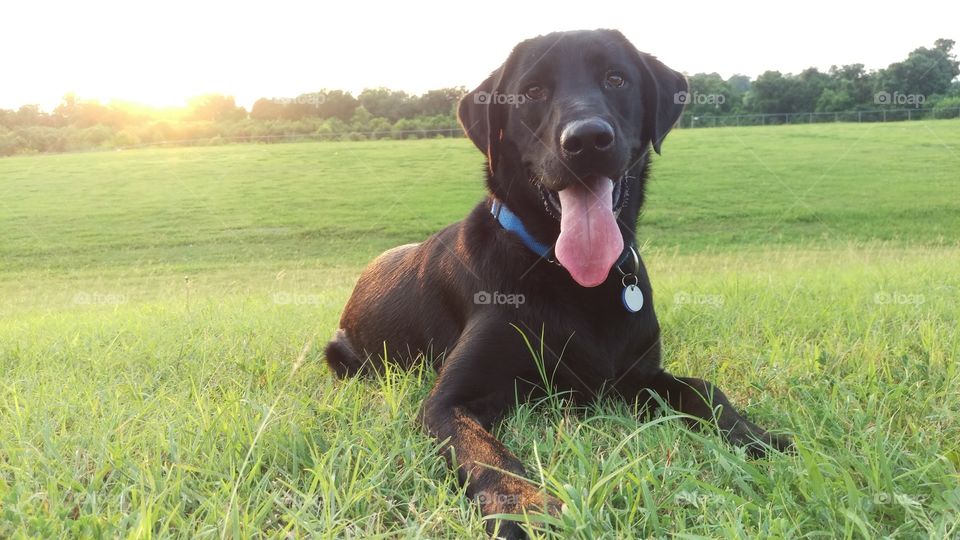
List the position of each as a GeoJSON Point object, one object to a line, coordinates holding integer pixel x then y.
{"type": "Point", "coordinates": [701, 399]}
{"type": "Point", "coordinates": [475, 388]}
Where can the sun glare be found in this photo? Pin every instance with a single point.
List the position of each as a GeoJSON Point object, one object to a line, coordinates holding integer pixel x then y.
{"type": "Point", "coordinates": [162, 54]}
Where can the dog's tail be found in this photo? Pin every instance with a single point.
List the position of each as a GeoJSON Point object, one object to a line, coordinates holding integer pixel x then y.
{"type": "Point", "coordinates": [341, 356]}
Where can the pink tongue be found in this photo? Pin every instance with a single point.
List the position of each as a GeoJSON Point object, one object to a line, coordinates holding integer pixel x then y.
{"type": "Point", "coordinates": [590, 241]}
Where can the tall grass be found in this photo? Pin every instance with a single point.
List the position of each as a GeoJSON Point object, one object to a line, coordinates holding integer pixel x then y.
{"type": "Point", "coordinates": [163, 315]}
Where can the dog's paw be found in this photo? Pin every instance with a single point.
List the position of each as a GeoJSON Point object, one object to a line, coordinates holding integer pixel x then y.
{"type": "Point", "coordinates": [757, 441]}
{"type": "Point", "coordinates": [518, 500]}
{"type": "Point", "coordinates": [505, 530]}
{"type": "Point", "coordinates": [783, 443]}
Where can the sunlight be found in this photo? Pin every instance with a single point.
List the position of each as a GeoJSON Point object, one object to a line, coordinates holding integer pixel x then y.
{"type": "Point", "coordinates": [161, 54]}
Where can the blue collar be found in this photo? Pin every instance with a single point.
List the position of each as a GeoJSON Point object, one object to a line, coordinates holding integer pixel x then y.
{"type": "Point", "coordinates": [511, 222]}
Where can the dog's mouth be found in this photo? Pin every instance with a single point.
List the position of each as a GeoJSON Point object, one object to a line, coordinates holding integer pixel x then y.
{"type": "Point", "coordinates": [590, 241]}
{"type": "Point", "coordinates": [551, 198]}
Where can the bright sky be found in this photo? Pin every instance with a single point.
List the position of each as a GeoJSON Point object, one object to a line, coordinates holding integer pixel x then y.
{"type": "Point", "coordinates": [162, 52]}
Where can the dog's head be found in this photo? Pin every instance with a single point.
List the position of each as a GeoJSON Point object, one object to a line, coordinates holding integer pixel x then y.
{"type": "Point", "coordinates": [566, 123]}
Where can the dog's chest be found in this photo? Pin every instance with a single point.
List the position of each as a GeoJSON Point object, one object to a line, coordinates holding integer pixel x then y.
{"type": "Point", "coordinates": [599, 356]}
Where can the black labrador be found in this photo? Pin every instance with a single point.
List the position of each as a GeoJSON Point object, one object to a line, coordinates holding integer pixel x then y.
{"type": "Point", "coordinates": [566, 124]}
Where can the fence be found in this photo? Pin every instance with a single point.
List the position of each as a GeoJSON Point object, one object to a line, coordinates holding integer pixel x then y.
{"type": "Point", "coordinates": [686, 121]}
{"type": "Point", "coordinates": [306, 137]}
{"type": "Point", "coordinates": [878, 115]}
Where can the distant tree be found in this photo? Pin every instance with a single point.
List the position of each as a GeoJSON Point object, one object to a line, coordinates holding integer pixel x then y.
{"type": "Point", "coordinates": [739, 84]}
{"type": "Point", "coordinates": [9, 142]}
{"type": "Point", "coordinates": [30, 115]}
{"type": "Point", "coordinates": [709, 94]}
{"type": "Point", "coordinates": [925, 72]}
{"type": "Point", "coordinates": [774, 93]}
{"type": "Point", "coordinates": [67, 107]}
{"type": "Point", "coordinates": [87, 113]}
{"type": "Point", "coordinates": [322, 104]}
{"type": "Point", "coordinates": [360, 121]}
{"type": "Point", "coordinates": [390, 104]}
{"type": "Point", "coordinates": [216, 108]}
{"type": "Point", "coordinates": [267, 109]}
{"type": "Point", "coordinates": [302, 106]}
{"type": "Point", "coordinates": [337, 104]}
{"type": "Point", "coordinates": [441, 101]}
{"type": "Point", "coordinates": [850, 87]}
{"type": "Point", "coordinates": [812, 83]}
{"type": "Point", "coordinates": [7, 118]}
{"type": "Point", "coordinates": [954, 89]}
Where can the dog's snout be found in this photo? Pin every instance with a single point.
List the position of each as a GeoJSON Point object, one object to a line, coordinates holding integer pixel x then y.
{"type": "Point", "coordinates": [590, 135]}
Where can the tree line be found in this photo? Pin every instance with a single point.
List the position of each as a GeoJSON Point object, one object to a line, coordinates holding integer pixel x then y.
{"type": "Point", "coordinates": [76, 124]}
{"type": "Point", "coordinates": [925, 79]}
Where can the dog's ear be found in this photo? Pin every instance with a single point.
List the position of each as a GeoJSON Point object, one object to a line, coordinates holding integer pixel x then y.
{"type": "Point", "coordinates": [665, 93]}
{"type": "Point", "coordinates": [479, 117]}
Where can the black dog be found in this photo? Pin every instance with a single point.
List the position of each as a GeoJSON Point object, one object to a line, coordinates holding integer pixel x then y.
{"type": "Point", "coordinates": [566, 124]}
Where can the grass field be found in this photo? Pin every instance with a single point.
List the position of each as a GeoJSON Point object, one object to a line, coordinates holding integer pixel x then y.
{"type": "Point", "coordinates": [163, 314]}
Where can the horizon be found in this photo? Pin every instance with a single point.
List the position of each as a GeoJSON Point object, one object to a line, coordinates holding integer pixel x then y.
{"type": "Point", "coordinates": [279, 53]}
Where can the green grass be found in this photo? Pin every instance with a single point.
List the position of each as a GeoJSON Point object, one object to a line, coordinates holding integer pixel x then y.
{"type": "Point", "coordinates": [163, 314]}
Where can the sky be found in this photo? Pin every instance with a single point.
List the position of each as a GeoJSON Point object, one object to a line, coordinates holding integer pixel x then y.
{"type": "Point", "coordinates": [163, 52]}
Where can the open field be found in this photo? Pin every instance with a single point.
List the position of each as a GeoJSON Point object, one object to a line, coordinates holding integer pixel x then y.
{"type": "Point", "coordinates": [163, 314]}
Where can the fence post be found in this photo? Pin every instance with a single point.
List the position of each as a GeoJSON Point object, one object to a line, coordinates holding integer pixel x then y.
{"type": "Point", "coordinates": [836, 117]}
{"type": "Point", "coordinates": [859, 116]}
{"type": "Point", "coordinates": [884, 115]}
{"type": "Point", "coordinates": [909, 114]}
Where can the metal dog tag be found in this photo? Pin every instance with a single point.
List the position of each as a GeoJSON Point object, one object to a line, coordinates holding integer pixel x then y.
{"type": "Point", "coordinates": [632, 298]}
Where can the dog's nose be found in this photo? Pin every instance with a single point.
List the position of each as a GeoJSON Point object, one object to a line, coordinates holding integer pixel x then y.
{"type": "Point", "coordinates": [590, 135]}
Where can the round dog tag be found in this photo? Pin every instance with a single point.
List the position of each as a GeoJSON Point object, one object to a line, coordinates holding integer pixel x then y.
{"type": "Point", "coordinates": [632, 298]}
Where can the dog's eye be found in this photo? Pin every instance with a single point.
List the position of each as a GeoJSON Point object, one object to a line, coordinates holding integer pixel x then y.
{"type": "Point", "coordinates": [614, 80]}
{"type": "Point", "coordinates": [535, 92]}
